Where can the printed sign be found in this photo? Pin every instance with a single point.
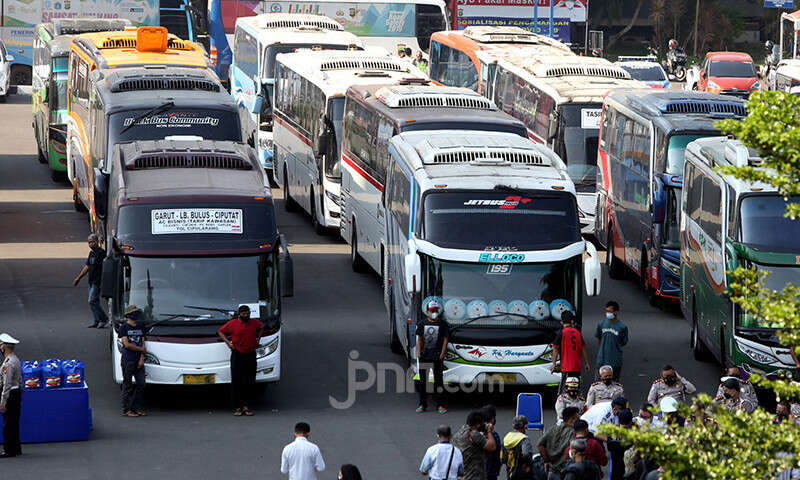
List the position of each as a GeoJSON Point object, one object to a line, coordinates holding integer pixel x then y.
{"type": "Point", "coordinates": [590, 118]}
{"type": "Point", "coordinates": [561, 30]}
{"type": "Point", "coordinates": [778, 3]}
{"type": "Point", "coordinates": [196, 220]}
{"type": "Point", "coordinates": [501, 257]}
{"type": "Point", "coordinates": [362, 19]}
{"type": "Point", "coordinates": [177, 119]}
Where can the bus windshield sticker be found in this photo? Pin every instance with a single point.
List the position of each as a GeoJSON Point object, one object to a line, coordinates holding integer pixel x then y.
{"type": "Point", "coordinates": [590, 118]}
{"type": "Point", "coordinates": [501, 257]}
{"type": "Point", "coordinates": [196, 220]}
{"type": "Point", "coordinates": [173, 119]}
{"type": "Point", "coordinates": [499, 269]}
{"type": "Point", "coordinates": [509, 203]}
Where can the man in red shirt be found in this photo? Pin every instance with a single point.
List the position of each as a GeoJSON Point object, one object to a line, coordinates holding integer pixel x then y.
{"type": "Point", "coordinates": [569, 345]}
{"type": "Point", "coordinates": [244, 334]}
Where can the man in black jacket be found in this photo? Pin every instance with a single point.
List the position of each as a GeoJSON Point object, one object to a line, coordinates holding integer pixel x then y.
{"type": "Point", "coordinates": [580, 468]}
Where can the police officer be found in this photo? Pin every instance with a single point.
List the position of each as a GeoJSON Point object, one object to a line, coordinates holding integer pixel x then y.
{"type": "Point", "coordinates": [604, 390]}
{"type": "Point", "coordinates": [746, 388]}
{"type": "Point", "coordinates": [732, 398]}
{"type": "Point", "coordinates": [10, 396]}
{"type": "Point", "coordinates": [670, 384]}
{"type": "Point", "coordinates": [570, 398]}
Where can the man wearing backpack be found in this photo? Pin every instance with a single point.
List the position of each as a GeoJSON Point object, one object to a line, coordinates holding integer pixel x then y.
{"type": "Point", "coordinates": [516, 445]}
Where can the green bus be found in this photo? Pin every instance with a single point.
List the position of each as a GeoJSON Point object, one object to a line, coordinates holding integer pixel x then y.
{"type": "Point", "coordinates": [727, 223]}
{"type": "Point", "coordinates": [49, 85]}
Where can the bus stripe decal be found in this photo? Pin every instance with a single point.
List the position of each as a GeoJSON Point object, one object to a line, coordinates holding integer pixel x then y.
{"type": "Point", "coordinates": [293, 130]}
{"type": "Point", "coordinates": [362, 172]}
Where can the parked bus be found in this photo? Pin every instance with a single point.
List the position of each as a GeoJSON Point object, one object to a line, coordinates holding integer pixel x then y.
{"type": "Point", "coordinates": [727, 223]}
{"type": "Point", "coordinates": [468, 58]}
{"type": "Point", "coordinates": [373, 115]}
{"type": "Point", "coordinates": [257, 41]}
{"type": "Point", "coordinates": [389, 24]}
{"type": "Point", "coordinates": [49, 92]}
{"type": "Point", "coordinates": [488, 226]}
{"type": "Point", "coordinates": [559, 100]}
{"type": "Point", "coordinates": [196, 238]}
{"type": "Point", "coordinates": [643, 137]}
{"type": "Point", "coordinates": [309, 108]}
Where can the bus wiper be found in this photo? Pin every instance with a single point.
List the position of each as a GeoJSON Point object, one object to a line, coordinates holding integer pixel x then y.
{"type": "Point", "coordinates": [152, 111]}
{"type": "Point", "coordinates": [484, 317]}
{"type": "Point", "coordinates": [510, 189]}
{"type": "Point", "coordinates": [173, 316]}
{"type": "Point", "coordinates": [226, 311]}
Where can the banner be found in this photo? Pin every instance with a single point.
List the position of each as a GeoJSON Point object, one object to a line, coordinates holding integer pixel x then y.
{"type": "Point", "coordinates": [27, 13]}
{"type": "Point", "coordinates": [572, 10]}
{"type": "Point", "coordinates": [362, 19]}
{"type": "Point", "coordinates": [196, 220]}
{"type": "Point", "coordinates": [561, 26]}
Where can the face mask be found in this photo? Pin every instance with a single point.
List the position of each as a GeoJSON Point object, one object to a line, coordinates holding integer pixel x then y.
{"type": "Point", "coordinates": [610, 315]}
{"type": "Point", "coordinates": [244, 317]}
{"type": "Point", "coordinates": [670, 379]}
{"type": "Point", "coordinates": [434, 315]}
{"type": "Point", "coordinates": [727, 395]}
{"type": "Point", "coordinates": [572, 393]}
{"type": "Point", "coordinates": [607, 381]}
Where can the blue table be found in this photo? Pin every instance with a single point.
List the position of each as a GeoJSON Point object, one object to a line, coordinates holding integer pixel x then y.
{"type": "Point", "coordinates": [56, 415]}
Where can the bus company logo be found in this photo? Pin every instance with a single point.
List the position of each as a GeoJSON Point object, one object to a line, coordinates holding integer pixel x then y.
{"type": "Point", "coordinates": [477, 352]}
{"type": "Point", "coordinates": [501, 257]}
{"type": "Point", "coordinates": [493, 248]}
{"type": "Point", "coordinates": [172, 120]}
{"type": "Point", "coordinates": [275, 8]}
{"type": "Point", "coordinates": [509, 203]}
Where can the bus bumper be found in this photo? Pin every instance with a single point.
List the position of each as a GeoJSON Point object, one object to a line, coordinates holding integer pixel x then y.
{"type": "Point", "coordinates": [462, 373]}
{"type": "Point", "coordinates": [668, 284]}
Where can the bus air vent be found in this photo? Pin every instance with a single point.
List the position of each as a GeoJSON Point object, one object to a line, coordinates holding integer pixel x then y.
{"type": "Point", "coordinates": [120, 42]}
{"type": "Point", "coordinates": [587, 71]}
{"type": "Point", "coordinates": [372, 64]}
{"type": "Point", "coordinates": [189, 160]}
{"type": "Point", "coordinates": [732, 108]}
{"type": "Point", "coordinates": [489, 157]}
{"type": "Point", "coordinates": [178, 44]}
{"type": "Point", "coordinates": [299, 21]}
{"type": "Point", "coordinates": [454, 101]}
{"type": "Point", "coordinates": [136, 84]}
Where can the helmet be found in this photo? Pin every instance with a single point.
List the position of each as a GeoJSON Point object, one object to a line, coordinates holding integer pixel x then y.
{"type": "Point", "coordinates": [768, 45]}
{"type": "Point", "coordinates": [673, 43]}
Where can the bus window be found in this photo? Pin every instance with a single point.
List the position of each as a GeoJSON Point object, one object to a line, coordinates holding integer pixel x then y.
{"type": "Point", "coordinates": [710, 219]}
{"type": "Point", "coordinates": [399, 195]}
{"type": "Point", "coordinates": [335, 114]}
{"type": "Point", "coordinates": [429, 19]}
{"type": "Point", "coordinates": [694, 182]}
{"type": "Point", "coordinates": [677, 151]}
{"type": "Point", "coordinates": [763, 223]}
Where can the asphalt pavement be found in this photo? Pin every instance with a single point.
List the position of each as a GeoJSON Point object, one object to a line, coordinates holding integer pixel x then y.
{"type": "Point", "coordinates": [190, 432]}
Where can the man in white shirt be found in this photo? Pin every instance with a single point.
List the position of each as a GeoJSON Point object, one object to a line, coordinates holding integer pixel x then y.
{"type": "Point", "coordinates": [302, 459]}
{"type": "Point", "coordinates": [604, 413]}
{"type": "Point", "coordinates": [443, 461]}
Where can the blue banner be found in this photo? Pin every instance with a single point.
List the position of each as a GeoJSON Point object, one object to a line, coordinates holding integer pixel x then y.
{"type": "Point", "coordinates": [778, 3]}
{"type": "Point", "coordinates": [561, 26]}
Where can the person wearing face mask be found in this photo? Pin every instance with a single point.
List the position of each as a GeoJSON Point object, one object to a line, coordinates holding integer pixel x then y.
{"type": "Point", "coordinates": [604, 413]}
{"type": "Point", "coordinates": [746, 388]}
{"type": "Point", "coordinates": [606, 389]}
{"type": "Point", "coordinates": [594, 449]}
{"type": "Point", "coordinates": [432, 336]}
{"type": "Point", "coordinates": [611, 336]}
{"type": "Point", "coordinates": [670, 384]}
{"type": "Point", "coordinates": [10, 396]}
{"type": "Point", "coordinates": [580, 468]}
{"type": "Point", "coordinates": [132, 363]}
{"type": "Point", "coordinates": [570, 398]}
{"type": "Point", "coordinates": [732, 398]}
{"type": "Point", "coordinates": [244, 333]}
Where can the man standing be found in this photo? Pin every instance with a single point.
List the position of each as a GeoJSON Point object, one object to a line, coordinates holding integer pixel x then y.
{"type": "Point", "coordinates": [580, 468]}
{"type": "Point", "coordinates": [493, 461]}
{"type": "Point", "coordinates": [605, 390]}
{"type": "Point", "coordinates": [732, 398]}
{"type": "Point", "coordinates": [570, 398]}
{"type": "Point", "coordinates": [442, 461]}
{"type": "Point", "coordinates": [94, 267]}
{"type": "Point", "coordinates": [556, 441]}
{"type": "Point", "coordinates": [611, 336]}
{"type": "Point", "coordinates": [569, 345]}
{"type": "Point", "coordinates": [670, 384]}
{"type": "Point", "coordinates": [516, 446]}
{"type": "Point", "coordinates": [302, 459]}
{"type": "Point", "coordinates": [594, 449]}
{"type": "Point", "coordinates": [473, 440]}
{"type": "Point", "coordinates": [432, 336]}
{"type": "Point", "coordinates": [244, 334]}
{"type": "Point", "coordinates": [132, 363]}
{"type": "Point", "coordinates": [10, 396]}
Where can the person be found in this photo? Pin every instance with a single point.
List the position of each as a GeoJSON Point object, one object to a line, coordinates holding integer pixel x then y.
{"type": "Point", "coordinates": [580, 468]}
{"type": "Point", "coordinates": [606, 389]}
{"type": "Point", "coordinates": [409, 54]}
{"type": "Point", "coordinates": [604, 413]}
{"type": "Point", "coordinates": [244, 334]}
{"type": "Point", "coordinates": [94, 268]}
{"type": "Point", "coordinates": [555, 442]}
{"type": "Point", "coordinates": [530, 469]}
{"type": "Point", "coordinates": [301, 459]}
{"type": "Point", "coordinates": [699, 413]}
{"type": "Point", "coordinates": [746, 388]}
{"type": "Point", "coordinates": [493, 461]}
{"type": "Point", "coordinates": [473, 439]}
{"type": "Point", "coordinates": [132, 363]}
{"type": "Point", "coordinates": [570, 398]}
{"type": "Point", "coordinates": [349, 471]}
{"type": "Point", "coordinates": [569, 347]}
{"type": "Point", "coordinates": [10, 396]}
{"type": "Point", "coordinates": [732, 398]}
{"type": "Point", "coordinates": [594, 449]}
{"type": "Point", "coordinates": [516, 445]}
{"type": "Point", "coordinates": [670, 384]}
{"type": "Point", "coordinates": [646, 418]}
{"type": "Point", "coordinates": [442, 461]}
{"type": "Point", "coordinates": [432, 336]}
{"type": "Point", "coordinates": [611, 336]}
{"type": "Point", "coordinates": [617, 447]}
{"type": "Point", "coordinates": [670, 415]}
{"type": "Point", "coordinates": [421, 63]}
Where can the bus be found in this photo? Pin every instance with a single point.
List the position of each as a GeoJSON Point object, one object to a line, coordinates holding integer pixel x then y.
{"type": "Point", "coordinates": [309, 108]}
{"type": "Point", "coordinates": [643, 138]}
{"type": "Point", "coordinates": [488, 226]}
{"type": "Point", "coordinates": [468, 58]}
{"type": "Point", "coordinates": [257, 41]}
{"type": "Point", "coordinates": [49, 87]}
{"type": "Point", "coordinates": [727, 223]}
{"type": "Point", "coordinates": [389, 24]}
{"type": "Point", "coordinates": [373, 114]}
{"type": "Point", "coordinates": [559, 100]}
{"type": "Point", "coordinates": [196, 237]}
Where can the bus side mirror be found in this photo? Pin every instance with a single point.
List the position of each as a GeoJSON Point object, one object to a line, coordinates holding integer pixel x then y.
{"type": "Point", "coordinates": [285, 268]}
{"type": "Point", "coordinates": [257, 103]}
{"type": "Point", "coordinates": [324, 137]}
{"type": "Point", "coordinates": [412, 270]}
{"type": "Point", "coordinates": [100, 193]}
{"type": "Point", "coordinates": [9, 58]}
{"type": "Point", "coordinates": [659, 202]}
{"type": "Point", "coordinates": [591, 271]}
{"type": "Point", "coordinates": [108, 281]}
{"type": "Point", "coordinates": [553, 127]}
{"type": "Point", "coordinates": [733, 257]}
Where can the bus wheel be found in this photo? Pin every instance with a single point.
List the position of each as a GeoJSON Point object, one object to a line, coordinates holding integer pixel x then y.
{"type": "Point", "coordinates": [359, 266]}
{"type": "Point", "coordinates": [288, 203]}
{"type": "Point", "coordinates": [698, 349]}
{"type": "Point", "coordinates": [616, 270]}
{"type": "Point", "coordinates": [319, 228]}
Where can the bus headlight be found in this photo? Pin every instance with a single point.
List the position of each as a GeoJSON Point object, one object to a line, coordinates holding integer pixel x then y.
{"type": "Point", "coordinates": [150, 359]}
{"type": "Point", "coordinates": [333, 197]}
{"type": "Point", "coordinates": [450, 355]}
{"type": "Point", "coordinates": [673, 268]}
{"type": "Point", "coordinates": [547, 355]}
{"type": "Point", "coordinates": [267, 349]}
{"type": "Point", "coordinates": [756, 355]}
{"type": "Point", "coordinates": [264, 143]}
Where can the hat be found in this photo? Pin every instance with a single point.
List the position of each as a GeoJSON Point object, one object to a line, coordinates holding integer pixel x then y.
{"type": "Point", "coordinates": [572, 382]}
{"type": "Point", "coordinates": [732, 383]}
{"type": "Point", "coordinates": [433, 305]}
{"type": "Point", "coordinates": [6, 338]}
{"type": "Point", "coordinates": [668, 405]}
{"type": "Point", "coordinates": [132, 309]}
{"type": "Point", "coordinates": [620, 401]}
{"type": "Point", "coordinates": [243, 308]}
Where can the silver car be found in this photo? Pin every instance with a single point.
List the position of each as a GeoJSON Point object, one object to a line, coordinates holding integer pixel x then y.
{"type": "Point", "coordinates": [5, 72]}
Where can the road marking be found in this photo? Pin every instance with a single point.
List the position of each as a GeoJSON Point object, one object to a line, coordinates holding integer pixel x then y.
{"type": "Point", "coordinates": [43, 195]}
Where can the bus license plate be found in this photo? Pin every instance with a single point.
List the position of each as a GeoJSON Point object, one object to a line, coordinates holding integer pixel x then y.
{"type": "Point", "coordinates": [501, 377]}
{"type": "Point", "coordinates": [199, 379]}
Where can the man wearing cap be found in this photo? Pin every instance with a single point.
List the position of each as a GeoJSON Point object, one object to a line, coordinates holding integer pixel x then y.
{"type": "Point", "coordinates": [670, 384]}
{"type": "Point", "coordinates": [606, 389]}
{"type": "Point", "coordinates": [570, 398]}
{"type": "Point", "coordinates": [132, 363]}
{"type": "Point", "coordinates": [604, 413]}
{"type": "Point", "coordinates": [94, 268]}
{"type": "Point", "coordinates": [732, 398]}
{"type": "Point", "coordinates": [10, 396]}
{"type": "Point", "coordinates": [432, 337]}
{"type": "Point", "coordinates": [244, 333]}
{"type": "Point", "coordinates": [746, 388]}
{"type": "Point", "coordinates": [516, 445]}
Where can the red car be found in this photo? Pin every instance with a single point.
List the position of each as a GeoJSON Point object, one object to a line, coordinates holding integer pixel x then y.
{"type": "Point", "coordinates": [728, 73]}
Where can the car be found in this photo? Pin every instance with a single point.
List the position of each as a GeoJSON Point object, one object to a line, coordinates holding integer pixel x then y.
{"type": "Point", "coordinates": [785, 76]}
{"type": "Point", "coordinates": [646, 70]}
{"type": "Point", "coordinates": [727, 73]}
{"type": "Point", "coordinates": [5, 72]}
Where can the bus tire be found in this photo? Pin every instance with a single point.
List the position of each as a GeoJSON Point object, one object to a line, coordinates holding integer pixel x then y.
{"type": "Point", "coordinates": [39, 155]}
{"type": "Point", "coordinates": [288, 203]}
{"type": "Point", "coordinates": [319, 228]}
{"type": "Point", "coordinates": [616, 270]}
{"type": "Point", "coordinates": [356, 261]}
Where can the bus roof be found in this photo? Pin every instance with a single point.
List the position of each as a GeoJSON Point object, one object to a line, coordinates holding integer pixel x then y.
{"type": "Point", "coordinates": [133, 47]}
{"type": "Point", "coordinates": [76, 26]}
{"type": "Point", "coordinates": [272, 21]}
{"type": "Point", "coordinates": [59, 46]}
{"type": "Point", "coordinates": [724, 151]}
{"type": "Point", "coordinates": [501, 42]}
{"type": "Point", "coordinates": [297, 28]}
{"type": "Point", "coordinates": [335, 70]}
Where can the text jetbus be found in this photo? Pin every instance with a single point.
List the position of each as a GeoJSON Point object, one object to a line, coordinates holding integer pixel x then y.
{"type": "Point", "coordinates": [192, 236]}
{"type": "Point", "coordinates": [643, 137]}
{"type": "Point", "coordinates": [309, 107]}
{"type": "Point", "coordinates": [487, 224]}
{"type": "Point", "coordinates": [727, 223]}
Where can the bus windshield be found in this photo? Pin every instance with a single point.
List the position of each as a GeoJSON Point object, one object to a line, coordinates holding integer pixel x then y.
{"type": "Point", "coordinates": [336, 115]}
{"type": "Point", "coordinates": [58, 98]}
{"type": "Point", "coordinates": [271, 51]}
{"type": "Point", "coordinates": [175, 21]}
{"type": "Point", "coordinates": [676, 152]}
{"type": "Point", "coordinates": [647, 74]}
{"type": "Point", "coordinates": [481, 219]}
{"type": "Point", "coordinates": [476, 292]}
{"type": "Point", "coordinates": [763, 223]}
{"type": "Point", "coordinates": [579, 128]}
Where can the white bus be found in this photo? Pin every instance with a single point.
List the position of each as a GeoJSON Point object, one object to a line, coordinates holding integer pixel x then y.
{"type": "Point", "coordinates": [257, 41]}
{"type": "Point", "coordinates": [309, 106]}
{"type": "Point", "coordinates": [372, 115]}
{"type": "Point", "coordinates": [487, 225]}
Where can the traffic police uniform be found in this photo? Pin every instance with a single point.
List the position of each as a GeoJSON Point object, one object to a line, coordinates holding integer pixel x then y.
{"type": "Point", "coordinates": [746, 390]}
{"type": "Point", "coordinates": [679, 391]}
{"type": "Point", "coordinates": [563, 401]}
{"type": "Point", "coordinates": [600, 392]}
{"type": "Point", "coordinates": [740, 403]}
{"type": "Point", "coordinates": [11, 396]}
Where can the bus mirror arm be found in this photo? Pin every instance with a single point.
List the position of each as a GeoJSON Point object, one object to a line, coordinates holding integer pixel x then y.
{"type": "Point", "coordinates": [591, 271]}
{"type": "Point", "coordinates": [285, 268]}
{"type": "Point", "coordinates": [108, 280]}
